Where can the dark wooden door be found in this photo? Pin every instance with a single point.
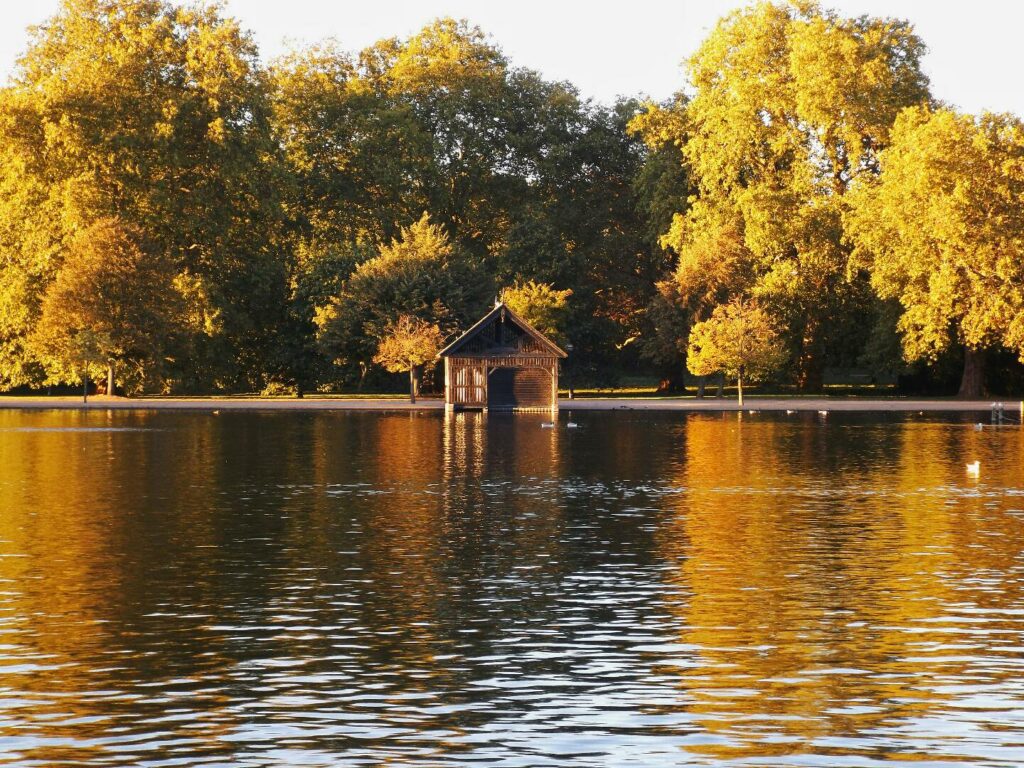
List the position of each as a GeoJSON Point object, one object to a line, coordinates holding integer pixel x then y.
{"type": "Point", "coordinates": [519, 388]}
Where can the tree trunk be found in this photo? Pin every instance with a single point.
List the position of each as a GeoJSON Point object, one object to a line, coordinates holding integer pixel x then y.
{"type": "Point", "coordinates": [412, 385]}
{"type": "Point", "coordinates": [110, 379]}
{"type": "Point", "coordinates": [739, 386]}
{"type": "Point", "coordinates": [701, 383]}
{"type": "Point", "coordinates": [671, 381]}
{"type": "Point", "coordinates": [85, 385]}
{"type": "Point", "coordinates": [810, 376]}
{"type": "Point", "coordinates": [721, 385]}
{"type": "Point", "coordinates": [972, 384]}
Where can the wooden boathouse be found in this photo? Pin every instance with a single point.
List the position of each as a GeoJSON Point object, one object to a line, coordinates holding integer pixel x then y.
{"type": "Point", "coordinates": [502, 363]}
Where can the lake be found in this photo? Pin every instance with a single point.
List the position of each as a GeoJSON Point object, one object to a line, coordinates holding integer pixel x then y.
{"type": "Point", "coordinates": [367, 589]}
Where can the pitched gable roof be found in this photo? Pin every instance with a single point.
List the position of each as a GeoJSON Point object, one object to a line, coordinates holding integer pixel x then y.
{"type": "Point", "coordinates": [502, 313]}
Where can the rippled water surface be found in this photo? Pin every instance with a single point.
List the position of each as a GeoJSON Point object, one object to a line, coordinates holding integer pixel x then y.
{"type": "Point", "coordinates": [410, 589]}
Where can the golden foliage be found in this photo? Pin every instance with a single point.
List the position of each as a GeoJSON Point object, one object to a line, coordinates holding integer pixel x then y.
{"type": "Point", "coordinates": [790, 104]}
{"type": "Point", "coordinates": [942, 230]}
{"type": "Point", "coordinates": [541, 305]}
{"type": "Point", "coordinates": [740, 340]}
{"type": "Point", "coordinates": [408, 343]}
{"type": "Point", "coordinates": [111, 302]}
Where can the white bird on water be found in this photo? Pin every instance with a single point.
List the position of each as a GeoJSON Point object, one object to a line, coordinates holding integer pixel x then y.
{"type": "Point", "coordinates": [572, 425]}
{"type": "Point", "coordinates": [823, 413]}
{"type": "Point", "coordinates": [547, 425]}
{"type": "Point", "coordinates": [790, 411]}
{"type": "Point", "coordinates": [974, 468]}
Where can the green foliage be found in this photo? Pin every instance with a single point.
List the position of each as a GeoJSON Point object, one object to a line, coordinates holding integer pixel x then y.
{"type": "Point", "coordinates": [420, 274]}
{"type": "Point", "coordinates": [669, 323]}
{"type": "Point", "coordinates": [525, 178]}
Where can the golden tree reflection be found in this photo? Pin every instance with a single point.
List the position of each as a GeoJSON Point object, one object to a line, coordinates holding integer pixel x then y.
{"type": "Point", "coordinates": [822, 605]}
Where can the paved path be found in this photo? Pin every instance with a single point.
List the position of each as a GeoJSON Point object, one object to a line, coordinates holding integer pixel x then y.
{"type": "Point", "coordinates": [789, 404]}
{"type": "Point", "coordinates": [1012, 407]}
{"type": "Point", "coordinates": [218, 404]}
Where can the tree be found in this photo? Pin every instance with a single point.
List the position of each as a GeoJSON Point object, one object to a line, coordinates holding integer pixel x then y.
{"type": "Point", "coordinates": [664, 344]}
{"type": "Point", "coordinates": [439, 121]}
{"type": "Point", "coordinates": [523, 176]}
{"type": "Point", "coordinates": [112, 304]}
{"type": "Point", "coordinates": [407, 344]}
{"type": "Point", "coordinates": [156, 115]}
{"type": "Point", "coordinates": [663, 190]}
{"type": "Point", "coordinates": [790, 104]}
{"type": "Point", "coordinates": [541, 305]}
{"type": "Point", "coordinates": [584, 228]}
{"type": "Point", "coordinates": [739, 340]}
{"type": "Point", "coordinates": [942, 231]}
{"type": "Point", "coordinates": [421, 274]}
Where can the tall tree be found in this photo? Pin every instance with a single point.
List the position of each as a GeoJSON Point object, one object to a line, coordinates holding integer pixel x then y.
{"type": "Point", "coordinates": [663, 190]}
{"type": "Point", "coordinates": [156, 115]}
{"type": "Point", "coordinates": [942, 231]}
{"type": "Point", "coordinates": [440, 121]}
{"type": "Point", "coordinates": [790, 104]}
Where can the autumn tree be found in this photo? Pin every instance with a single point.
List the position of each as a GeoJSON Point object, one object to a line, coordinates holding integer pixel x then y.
{"type": "Point", "coordinates": [790, 104]}
{"type": "Point", "coordinates": [439, 121]}
{"type": "Point", "coordinates": [407, 344]}
{"type": "Point", "coordinates": [421, 274]}
{"type": "Point", "coordinates": [740, 340]}
{"type": "Point", "coordinates": [942, 231]}
{"type": "Point", "coordinates": [113, 304]}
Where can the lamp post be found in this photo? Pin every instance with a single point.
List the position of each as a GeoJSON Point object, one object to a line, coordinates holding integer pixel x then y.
{"type": "Point", "coordinates": [568, 370]}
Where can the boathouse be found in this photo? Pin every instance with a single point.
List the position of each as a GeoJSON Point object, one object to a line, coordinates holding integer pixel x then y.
{"type": "Point", "coordinates": [501, 363]}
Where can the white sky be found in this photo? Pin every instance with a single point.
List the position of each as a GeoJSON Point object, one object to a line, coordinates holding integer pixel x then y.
{"type": "Point", "coordinates": [975, 57]}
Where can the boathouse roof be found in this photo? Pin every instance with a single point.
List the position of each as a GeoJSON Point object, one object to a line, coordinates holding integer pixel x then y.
{"type": "Point", "coordinates": [502, 333]}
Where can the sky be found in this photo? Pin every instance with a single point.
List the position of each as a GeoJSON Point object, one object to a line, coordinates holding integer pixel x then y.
{"type": "Point", "coordinates": [975, 59]}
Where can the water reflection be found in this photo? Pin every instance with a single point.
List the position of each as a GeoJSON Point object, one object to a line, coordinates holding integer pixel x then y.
{"type": "Point", "coordinates": [838, 612]}
{"type": "Point", "coordinates": [366, 589]}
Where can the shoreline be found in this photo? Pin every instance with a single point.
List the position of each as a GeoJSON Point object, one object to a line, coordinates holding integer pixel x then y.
{"type": "Point", "coordinates": [1012, 408]}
